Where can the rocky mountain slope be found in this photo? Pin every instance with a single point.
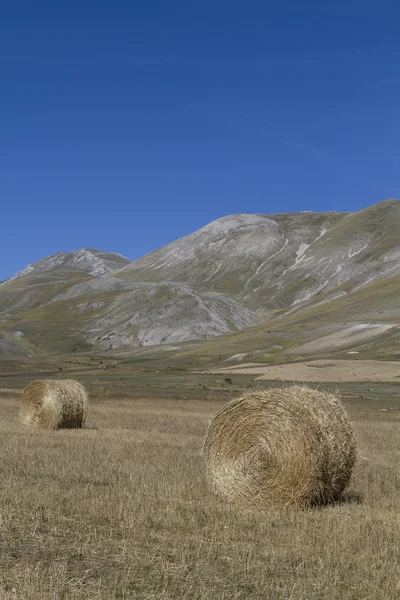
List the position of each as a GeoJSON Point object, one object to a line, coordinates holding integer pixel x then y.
{"type": "Point", "coordinates": [235, 273]}
{"type": "Point", "coordinates": [71, 302]}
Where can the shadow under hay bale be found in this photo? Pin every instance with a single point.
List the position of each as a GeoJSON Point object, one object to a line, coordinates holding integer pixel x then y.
{"type": "Point", "coordinates": [54, 404]}
{"type": "Point", "coordinates": [280, 447]}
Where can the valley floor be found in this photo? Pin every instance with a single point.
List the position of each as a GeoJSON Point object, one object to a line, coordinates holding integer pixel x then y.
{"type": "Point", "coordinates": [121, 508]}
{"type": "Point", "coordinates": [371, 371]}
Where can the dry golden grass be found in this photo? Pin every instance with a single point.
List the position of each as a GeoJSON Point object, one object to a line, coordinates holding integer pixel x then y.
{"type": "Point", "coordinates": [121, 510]}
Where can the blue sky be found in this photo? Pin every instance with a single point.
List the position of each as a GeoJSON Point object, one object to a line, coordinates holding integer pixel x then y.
{"type": "Point", "coordinates": [126, 125]}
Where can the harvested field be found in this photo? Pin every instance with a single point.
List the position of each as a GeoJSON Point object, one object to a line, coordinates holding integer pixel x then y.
{"type": "Point", "coordinates": [137, 521]}
{"type": "Point", "coordinates": [323, 371]}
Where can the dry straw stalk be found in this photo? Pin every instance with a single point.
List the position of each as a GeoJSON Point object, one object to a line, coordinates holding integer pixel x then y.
{"type": "Point", "coordinates": [54, 404]}
{"type": "Point", "coordinates": [291, 446]}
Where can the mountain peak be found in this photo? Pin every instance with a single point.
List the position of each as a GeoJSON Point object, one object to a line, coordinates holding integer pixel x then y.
{"type": "Point", "coordinates": [88, 260]}
{"type": "Point", "coordinates": [235, 221]}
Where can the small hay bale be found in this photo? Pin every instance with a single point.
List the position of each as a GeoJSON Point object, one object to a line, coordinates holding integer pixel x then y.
{"type": "Point", "coordinates": [54, 404]}
{"type": "Point", "coordinates": [291, 446]}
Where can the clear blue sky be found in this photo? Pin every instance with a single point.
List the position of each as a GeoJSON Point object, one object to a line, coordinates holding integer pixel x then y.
{"type": "Point", "coordinates": [125, 125]}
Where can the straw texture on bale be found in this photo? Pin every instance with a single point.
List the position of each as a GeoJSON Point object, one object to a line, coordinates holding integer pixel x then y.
{"type": "Point", "coordinates": [54, 404]}
{"type": "Point", "coordinates": [291, 446]}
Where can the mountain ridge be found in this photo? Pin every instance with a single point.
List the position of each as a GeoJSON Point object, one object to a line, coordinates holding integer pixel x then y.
{"type": "Point", "coordinates": [234, 273]}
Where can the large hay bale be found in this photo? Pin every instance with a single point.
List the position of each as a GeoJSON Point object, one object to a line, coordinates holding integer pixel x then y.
{"type": "Point", "coordinates": [291, 446]}
{"type": "Point", "coordinates": [54, 404]}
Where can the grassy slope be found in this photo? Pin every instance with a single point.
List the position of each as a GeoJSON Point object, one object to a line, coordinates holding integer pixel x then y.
{"type": "Point", "coordinates": [58, 326]}
{"type": "Point", "coordinates": [378, 302]}
{"type": "Point", "coordinates": [34, 290]}
{"type": "Point", "coordinates": [14, 346]}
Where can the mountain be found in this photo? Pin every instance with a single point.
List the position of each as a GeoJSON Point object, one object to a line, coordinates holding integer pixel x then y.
{"type": "Point", "coordinates": [238, 255]}
{"type": "Point", "coordinates": [292, 278]}
{"type": "Point", "coordinates": [40, 283]}
{"type": "Point", "coordinates": [87, 260]}
{"type": "Point", "coordinates": [270, 262]}
{"type": "Point", "coordinates": [70, 302]}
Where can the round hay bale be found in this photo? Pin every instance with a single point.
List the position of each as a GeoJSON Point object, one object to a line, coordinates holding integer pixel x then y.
{"type": "Point", "coordinates": [54, 404]}
{"type": "Point", "coordinates": [291, 446]}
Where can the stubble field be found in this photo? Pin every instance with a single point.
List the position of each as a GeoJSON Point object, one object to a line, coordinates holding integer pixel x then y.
{"type": "Point", "coordinates": [121, 509]}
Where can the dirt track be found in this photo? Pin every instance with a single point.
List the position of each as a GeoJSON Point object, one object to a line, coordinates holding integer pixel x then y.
{"type": "Point", "coordinates": [323, 371]}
